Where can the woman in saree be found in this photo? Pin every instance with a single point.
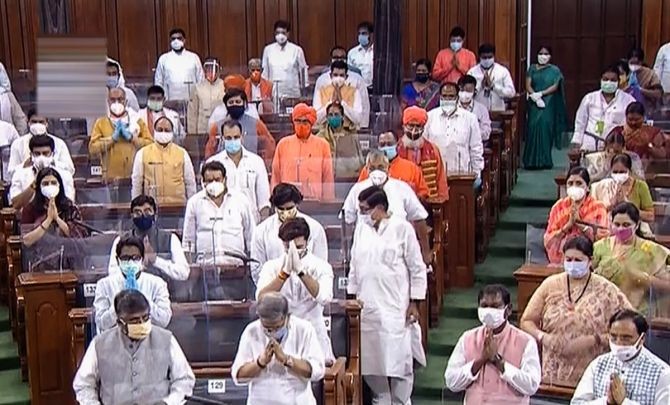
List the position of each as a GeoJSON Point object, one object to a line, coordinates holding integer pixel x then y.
{"type": "Point", "coordinates": [643, 82]}
{"type": "Point", "coordinates": [599, 163]}
{"type": "Point", "coordinates": [546, 111]}
{"type": "Point", "coordinates": [647, 141]}
{"type": "Point", "coordinates": [576, 214]}
{"type": "Point", "coordinates": [423, 91]}
{"type": "Point", "coordinates": [572, 307]}
{"type": "Point", "coordinates": [636, 265]}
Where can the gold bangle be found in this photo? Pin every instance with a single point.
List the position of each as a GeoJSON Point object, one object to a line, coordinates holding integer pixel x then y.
{"type": "Point", "coordinates": [282, 275]}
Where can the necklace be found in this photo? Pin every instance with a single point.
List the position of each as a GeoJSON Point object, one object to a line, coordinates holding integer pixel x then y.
{"type": "Point", "coordinates": [571, 303]}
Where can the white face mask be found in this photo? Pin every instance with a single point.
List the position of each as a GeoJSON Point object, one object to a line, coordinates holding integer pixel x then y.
{"type": "Point", "coordinates": [491, 317]}
{"type": "Point", "coordinates": [41, 161]}
{"type": "Point", "coordinates": [378, 177]}
{"type": "Point", "coordinates": [487, 63]}
{"type": "Point", "coordinates": [634, 68]}
{"type": "Point", "coordinates": [177, 44]}
{"type": "Point", "coordinates": [625, 353]}
{"type": "Point", "coordinates": [117, 109]}
{"type": "Point", "coordinates": [448, 106]}
{"type": "Point", "coordinates": [338, 81]}
{"type": "Point", "coordinates": [576, 193]}
{"type": "Point", "coordinates": [576, 269]}
{"type": "Point", "coordinates": [281, 38]}
{"type": "Point", "coordinates": [543, 59]}
{"type": "Point", "coordinates": [215, 188]}
{"type": "Point", "coordinates": [50, 191]}
{"type": "Point", "coordinates": [620, 178]}
{"type": "Point", "coordinates": [465, 96]}
{"type": "Point", "coordinates": [366, 219]}
{"type": "Point", "coordinates": [163, 137]}
{"type": "Point", "coordinates": [38, 128]}
{"type": "Point", "coordinates": [411, 143]}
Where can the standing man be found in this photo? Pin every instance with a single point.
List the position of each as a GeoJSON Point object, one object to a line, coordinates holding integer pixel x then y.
{"type": "Point", "coordinates": [155, 109]}
{"type": "Point", "coordinates": [662, 67]}
{"type": "Point", "coordinates": [258, 89]}
{"type": "Point", "coordinates": [467, 86]}
{"type": "Point", "coordinates": [339, 91]}
{"type": "Point", "coordinates": [115, 79]}
{"type": "Point", "coordinates": [179, 70]}
{"type": "Point", "coordinates": [362, 55]}
{"type": "Point", "coordinates": [494, 81]}
{"type": "Point", "coordinates": [304, 159]}
{"type": "Point", "coordinates": [496, 362]}
{"type": "Point", "coordinates": [600, 111]}
{"type": "Point", "coordinates": [245, 170]}
{"type": "Point", "coordinates": [284, 63]}
{"type": "Point", "coordinates": [389, 276]}
{"type": "Point", "coordinates": [453, 63]}
{"type": "Point", "coordinates": [206, 96]}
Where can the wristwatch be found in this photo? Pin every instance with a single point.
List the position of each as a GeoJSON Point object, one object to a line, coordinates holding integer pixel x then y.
{"type": "Point", "coordinates": [289, 362]}
{"type": "Point", "coordinates": [301, 274]}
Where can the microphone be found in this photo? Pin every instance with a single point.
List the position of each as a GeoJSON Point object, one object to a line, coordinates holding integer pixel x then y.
{"type": "Point", "coordinates": [154, 186]}
{"type": "Point", "coordinates": [240, 256]}
{"type": "Point", "coordinates": [201, 400]}
{"type": "Point", "coordinates": [215, 220]}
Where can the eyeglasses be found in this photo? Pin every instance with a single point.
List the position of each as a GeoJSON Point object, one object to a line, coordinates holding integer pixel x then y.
{"type": "Point", "coordinates": [136, 320]}
{"type": "Point", "coordinates": [126, 258]}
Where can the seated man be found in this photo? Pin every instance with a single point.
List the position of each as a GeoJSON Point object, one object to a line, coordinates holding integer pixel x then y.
{"type": "Point", "coordinates": [400, 168]}
{"type": "Point", "coordinates": [496, 362]}
{"type": "Point", "coordinates": [163, 169]}
{"type": "Point", "coordinates": [423, 153]}
{"type": "Point", "coordinates": [135, 362]}
{"type": "Point", "coordinates": [115, 79]}
{"type": "Point", "coordinates": [19, 153]}
{"type": "Point", "coordinates": [116, 137]}
{"type": "Point", "coordinates": [629, 373]}
{"type": "Point", "coordinates": [342, 137]}
{"type": "Point", "coordinates": [258, 89]}
{"type": "Point", "coordinates": [266, 245]}
{"type": "Point", "coordinates": [163, 253]}
{"type": "Point", "coordinates": [130, 255]}
{"type": "Point", "coordinates": [205, 97]}
{"type": "Point", "coordinates": [245, 170]}
{"type": "Point", "coordinates": [218, 221]}
{"type": "Point", "coordinates": [303, 159]}
{"type": "Point", "coordinates": [494, 81]}
{"type": "Point", "coordinates": [257, 138]}
{"type": "Point", "coordinates": [466, 100]}
{"type": "Point", "coordinates": [155, 109]}
{"type": "Point", "coordinates": [23, 185]}
{"type": "Point", "coordinates": [304, 279]}
{"type": "Point", "coordinates": [341, 92]}
{"type": "Point", "coordinates": [278, 356]}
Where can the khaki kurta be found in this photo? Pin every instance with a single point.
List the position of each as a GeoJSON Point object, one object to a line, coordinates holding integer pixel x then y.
{"type": "Point", "coordinates": [204, 99]}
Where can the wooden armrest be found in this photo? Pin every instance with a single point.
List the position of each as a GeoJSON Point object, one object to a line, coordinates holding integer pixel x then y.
{"type": "Point", "coordinates": [80, 315]}
{"type": "Point", "coordinates": [559, 391]}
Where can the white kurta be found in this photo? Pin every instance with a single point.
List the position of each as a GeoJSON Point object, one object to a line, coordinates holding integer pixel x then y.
{"type": "Point", "coordinates": [275, 385]}
{"type": "Point", "coordinates": [178, 73]}
{"type": "Point", "coordinates": [355, 80]}
{"type": "Point", "coordinates": [25, 176]}
{"type": "Point", "coordinates": [594, 109]}
{"type": "Point", "coordinates": [284, 66]}
{"type": "Point", "coordinates": [662, 66]}
{"type": "Point", "coordinates": [483, 117]}
{"type": "Point", "coordinates": [177, 268]}
{"type": "Point", "coordinates": [20, 152]}
{"type": "Point", "coordinates": [403, 202]}
{"type": "Point", "coordinates": [300, 301]}
{"type": "Point", "coordinates": [363, 59]}
{"type": "Point", "coordinates": [387, 270]}
{"type": "Point", "coordinates": [5, 84]}
{"type": "Point", "coordinates": [172, 115]}
{"type": "Point", "coordinates": [503, 86]}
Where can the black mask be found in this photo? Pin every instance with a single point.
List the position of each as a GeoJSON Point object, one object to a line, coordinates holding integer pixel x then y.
{"type": "Point", "coordinates": [422, 77]}
{"type": "Point", "coordinates": [144, 222]}
{"type": "Point", "coordinates": [236, 111]}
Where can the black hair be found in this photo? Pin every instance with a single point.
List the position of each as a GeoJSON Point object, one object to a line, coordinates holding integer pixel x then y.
{"type": "Point", "coordinates": [177, 30]}
{"type": "Point", "coordinates": [337, 48]}
{"type": "Point", "coordinates": [285, 192]}
{"type": "Point", "coordinates": [339, 64]}
{"type": "Point", "coordinates": [282, 24]}
{"type": "Point", "coordinates": [623, 158]}
{"type": "Point", "coordinates": [39, 201]}
{"type": "Point", "coordinates": [635, 108]}
{"type": "Point", "coordinates": [130, 302]}
{"type": "Point", "coordinates": [636, 53]}
{"type": "Point", "coordinates": [155, 89]}
{"type": "Point", "coordinates": [548, 48]}
{"type": "Point", "coordinates": [40, 141]}
{"type": "Point", "coordinates": [294, 228]}
{"type": "Point", "coordinates": [465, 80]}
{"type": "Point", "coordinates": [115, 65]}
{"type": "Point", "coordinates": [141, 200]}
{"type": "Point", "coordinates": [457, 32]}
{"type": "Point", "coordinates": [337, 105]}
{"type": "Point", "coordinates": [374, 196]}
{"type": "Point", "coordinates": [495, 289]}
{"type": "Point", "coordinates": [581, 243]}
{"type": "Point", "coordinates": [231, 123]}
{"type": "Point", "coordinates": [130, 240]}
{"type": "Point", "coordinates": [633, 213]}
{"type": "Point", "coordinates": [234, 92]}
{"type": "Point", "coordinates": [213, 166]}
{"type": "Point", "coordinates": [611, 69]}
{"type": "Point", "coordinates": [425, 62]}
{"type": "Point", "coordinates": [615, 137]}
{"type": "Point", "coordinates": [32, 112]}
{"type": "Point", "coordinates": [638, 319]}
{"type": "Point", "coordinates": [211, 59]}
{"type": "Point", "coordinates": [622, 65]}
{"type": "Point", "coordinates": [581, 172]}
{"type": "Point", "coordinates": [449, 84]}
{"type": "Point", "coordinates": [367, 25]}
{"type": "Point", "coordinates": [486, 48]}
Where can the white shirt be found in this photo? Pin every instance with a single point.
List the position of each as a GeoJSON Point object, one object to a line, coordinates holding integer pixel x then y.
{"type": "Point", "coordinates": [229, 226]}
{"type": "Point", "coordinates": [25, 176]}
{"type": "Point", "coordinates": [593, 109]}
{"type": "Point", "coordinates": [8, 134]}
{"type": "Point", "coordinates": [137, 176]}
{"type": "Point", "coordinates": [458, 138]}
{"type": "Point", "coordinates": [355, 80]}
{"type": "Point", "coordinates": [220, 113]}
{"type": "Point", "coordinates": [172, 115]}
{"type": "Point", "coordinates": [503, 86]}
{"type": "Point", "coordinates": [266, 245]}
{"type": "Point", "coordinates": [20, 152]}
{"type": "Point", "coordinates": [662, 66]}
{"type": "Point", "coordinates": [483, 117]}
{"type": "Point", "coordinates": [178, 73]}
{"type": "Point", "coordinates": [5, 84]}
{"type": "Point", "coordinates": [152, 287]}
{"type": "Point", "coordinates": [285, 66]}
{"type": "Point", "coordinates": [363, 59]}
{"type": "Point", "coordinates": [87, 380]}
{"type": "Point", "coordinates": [177, 268]}
{"type": "Point", "coordinates": [403, 202]}
{"type": "Point", "coordinates": [353, 111]}
{"type": "Point", "coordinates": [249, 177]}
{"type": "Point", "coordinates": [525, 380]}
{"type": "Point", "coordinates": [275, 385]}
{"type": "Point", "coordinates": [584, 394]}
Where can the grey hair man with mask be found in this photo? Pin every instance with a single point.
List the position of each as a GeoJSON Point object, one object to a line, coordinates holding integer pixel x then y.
{"type": "Point", "coordinates": [134, 362]}
{"type": "Point", "coordinates": [278, 356]}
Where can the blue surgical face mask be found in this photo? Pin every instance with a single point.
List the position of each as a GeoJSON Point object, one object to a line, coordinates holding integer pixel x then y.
{"type": "Point", "coordinates": [112, 81]}
{"type": "Point", "coordinates": [144, 222]}
{"type": "Point", "coordinates": [232, 145]}
{"type": "Point", "coordinates": [280, 334]}
{"type": "Point", "coordinates": [576, 269]}
{"type": "Point", "coordinates": [363, 39]}
{"type": "Point", "coordinates": [130, 269]}
{"type": "Point", "coordinates": [456, 45]}
{"type": "Point", "coordinates": [335, 121]}
{"type": "Point", "coordinates": [608, 87]}
{"type": "Point", "coordinates": [390, 151]}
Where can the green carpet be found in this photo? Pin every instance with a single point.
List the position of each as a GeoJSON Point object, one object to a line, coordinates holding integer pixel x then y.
{"type": "Point", "coordinates": [531, 200]}
{"type": "Point", "coordinates": [13, 391]}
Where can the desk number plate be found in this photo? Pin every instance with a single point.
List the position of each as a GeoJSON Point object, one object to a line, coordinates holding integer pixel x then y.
{"type": "Point", "coordinates": [89, 290]}
{"type": "Point", "coordinates": [342, 283]}
{"type": "Point", "coordinates": [327, 320]}
{"type": "Point", "coordinates": [96, 170]}
{"type": "Point", "coordinates": [365, 145]}
{"type": "Point", "coordinates": [216, 386]}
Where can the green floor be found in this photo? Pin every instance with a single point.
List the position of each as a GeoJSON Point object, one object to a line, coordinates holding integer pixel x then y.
{"type": "Point", "coordinates": [12, 390]}
{"type": "Point", "coordinates": [532, 198]}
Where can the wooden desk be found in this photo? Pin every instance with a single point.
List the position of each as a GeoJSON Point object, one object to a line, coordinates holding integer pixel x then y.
{"type": "Point", "coordinates": [507, 159]}
{"type": "Point", "coordinates": [461, 232]}
{"type": "Point", "coordinates": [528, 278]}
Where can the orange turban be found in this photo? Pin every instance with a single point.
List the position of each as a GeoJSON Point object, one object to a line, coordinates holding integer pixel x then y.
{"type": "Point", "coordinates": [234, 82]}
{"type": "Point", "coordinates": [414, 114]}
{"type": "Point", "coordinates": [302, 110]}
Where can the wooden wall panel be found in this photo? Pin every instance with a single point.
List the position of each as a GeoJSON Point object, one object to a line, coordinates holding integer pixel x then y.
{"type": "Point", "coordinates": [88, 17]}
{"type": "Point", "coordinates": [136, 26]}
{"type": "Point", "coordinates": [315, 29]}
{"type": "Point", "coordinates": [655, 27]}
{"type": "Point", "coordinates": [229, 39]}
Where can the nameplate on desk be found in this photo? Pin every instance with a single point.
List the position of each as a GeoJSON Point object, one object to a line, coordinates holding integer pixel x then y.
{"type": "Point", "coordinates": [96, 170]}
{"type": "Point", "coordinates": [327, 321]}
{"type": "Point", "coordinates": [289, 110]}
{"type": "Point", "coordinates": [364, 144]}
{"type": "Point", "coordinates": [342, 283]}
{"type": "Point", "coordinates": [216, 386]}
{"type": "Point", "coordinates": [89, 290]}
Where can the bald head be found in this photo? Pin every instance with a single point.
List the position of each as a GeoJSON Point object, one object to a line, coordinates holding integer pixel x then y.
{"type": "Point", "coordinates": [377, 160]}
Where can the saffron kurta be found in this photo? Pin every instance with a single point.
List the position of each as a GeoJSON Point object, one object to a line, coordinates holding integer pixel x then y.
{"type": "Point", "coordinates": [428, 158]}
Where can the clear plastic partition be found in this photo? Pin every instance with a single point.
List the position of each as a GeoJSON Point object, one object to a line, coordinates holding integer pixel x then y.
{"type": "Point", "coordinates": [453, 398]}
{"type": "Point", "coordinates": [657, 339]}
{"type": "Point", "coordinates": [535, 250]}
